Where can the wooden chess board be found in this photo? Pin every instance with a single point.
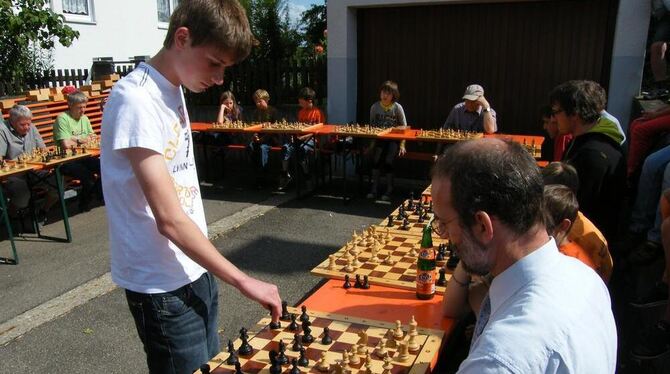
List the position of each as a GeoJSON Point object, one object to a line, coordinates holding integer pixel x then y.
{"type": "Point", "coordinates": [236, 126]}
{"type": "Point", "coordinates": [344, 331]}
{"type": "Point", "coordinates": [60, 160]}
{"type": "Point", "coordinates": [289, 127]}
{"type": "Point", "coordinates": [448, 135]}
{"type": "Point", "coordinates": [400, 274]}
{"type": "Point", "coordinates": [12, 168]}
{"type": "Point", "coordinates": [360, 130]}
{"type": "Point", "coordinates": [414, 226]}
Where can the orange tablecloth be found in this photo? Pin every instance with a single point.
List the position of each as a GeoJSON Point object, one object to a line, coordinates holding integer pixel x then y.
{"type": "Point", "coordinates": [379, 303]}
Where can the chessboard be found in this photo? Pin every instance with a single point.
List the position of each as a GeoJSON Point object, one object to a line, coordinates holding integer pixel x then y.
{"type": "Point", "coordinates": [8, 168]}
{"type": "Point", "coordinates": [235, 126]}
{"type": "Point", "coordinates": [448, 135]}
{"type": "Point", "coordinates": [415, 223]}
{"type": "Point", "coordinates": [360, 130]}
{"type": "Point", "coordinates": [53, 156]}
{"type": "Point", "coordinates": [356, 344]}
{"type": "Point", "coordinates": [382, 257]}
{"type": "Point", "coordinates": [289, 127]}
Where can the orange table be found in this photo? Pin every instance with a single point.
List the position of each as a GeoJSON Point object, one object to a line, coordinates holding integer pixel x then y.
{"type": "Point", "coordinates": [382, 304]}
{"type": "Point", "coordinates": [379, 303]}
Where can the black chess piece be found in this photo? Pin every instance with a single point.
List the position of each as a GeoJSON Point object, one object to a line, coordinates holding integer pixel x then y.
{"type": "Point", "coordinates": [245, 348]}
{"type": "Point", "coordinates": [307, 337]}
{"type": "Point", "coordinates": [281, 357]}
{"type": "Point", "coordinates": [326, 339]}
{"type": "Point", "coordinates": [204, 368]}
{"type": "Point", "coordinates": [442, 280]}
{"type": "Point", "coordinates": [453, 261]}
{"type": "Point", "coordinates": [401, 212]}
{"type": "Point", "coordinates": [405, 224]}
{"type": "Point", "coordinates": [390, 221]}
{"type": "Point", "coordinates": [275, 325]}
{"type": "Point", "coordinates": [410, 202]}
{"type": "Point", "coordinates": [430, 207]}
{"type": "Point", "coordinates": [366, 285]}
{"type": "Point", "coordinates": [420, 219]}
{"type": "Point", "coordinates": [439, 256]}
{"type": "Point", "coordinates": [347, 283]}
{"type": "Point", "coordinates": [296, 343]}
{"type": "Point", "coordinates": [303, 360]}
{"type": "Point", "coordinates": [358, 283]}
{"type": "Point", "coordinates": [238, 368]}
{"type": "Point", "coordinates": [294, 368]}
{"type": "Point", "coordinates": [275, 366]}
{"type": "Point", "coordinates": [293, 326]}
{"type": "Point", "coordinates": [304, 317]}
{"type": "Point", "coordinates": [232, 359]}
{"type": "Point", "coordinates": [285, 316]}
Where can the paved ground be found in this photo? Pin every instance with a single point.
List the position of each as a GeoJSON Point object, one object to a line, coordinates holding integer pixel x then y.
{"type": "Point", "coordinates": [78, 322]}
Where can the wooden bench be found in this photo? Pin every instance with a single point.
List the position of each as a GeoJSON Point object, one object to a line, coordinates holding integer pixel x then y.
{"type": "Point", "coordinates": [45, 113]}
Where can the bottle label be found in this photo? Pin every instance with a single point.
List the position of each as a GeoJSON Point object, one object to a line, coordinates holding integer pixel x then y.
{"type": "Point", "coordinates": [425, 282]}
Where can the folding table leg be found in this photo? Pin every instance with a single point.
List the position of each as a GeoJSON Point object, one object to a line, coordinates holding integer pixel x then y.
{"type": "Point", "coordinates": [8, 226]}
{"type": "Point", "coordinates": [63, 208]}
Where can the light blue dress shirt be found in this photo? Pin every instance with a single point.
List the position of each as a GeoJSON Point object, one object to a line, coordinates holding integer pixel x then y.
{"type": "Point", "coordinates": [550, 313]}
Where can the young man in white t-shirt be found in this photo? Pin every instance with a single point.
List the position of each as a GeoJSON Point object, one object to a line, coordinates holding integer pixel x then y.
{"type": "Point", "coordinates": [158, 235]}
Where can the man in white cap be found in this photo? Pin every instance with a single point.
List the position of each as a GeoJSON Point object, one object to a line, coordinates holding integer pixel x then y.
{"type": "Point", "coordinates": [473, 114]}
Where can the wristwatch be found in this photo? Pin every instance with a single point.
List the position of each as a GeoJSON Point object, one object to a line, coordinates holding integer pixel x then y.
{"type": "Point", "coordinates": [487, 109]}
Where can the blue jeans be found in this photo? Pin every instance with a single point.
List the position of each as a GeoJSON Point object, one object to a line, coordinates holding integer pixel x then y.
{"type": "Point", "coordinates": [178, 328]}
{"type": "Point", "coordinates": [646, 217]}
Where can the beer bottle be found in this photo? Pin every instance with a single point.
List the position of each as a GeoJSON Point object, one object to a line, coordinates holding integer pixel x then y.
{"type": "Point", "coordinates": [425, 267]}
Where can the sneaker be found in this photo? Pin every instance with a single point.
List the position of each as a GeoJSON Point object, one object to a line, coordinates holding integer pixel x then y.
{"type": "Point", "coordinates": [645, 253]}
{"type": "Point", "coordinates": [370, 195]}
{"type": "Point", "coordinates": [385, 197]}
{"type": "Point", "coordinates": [41, 217]}
{"type": "Point", "coordinates": [654, 341]}
{"type": "Point", "coordinates": [284, 183]}
{"type": "Point", "coordinates": [657, 297]}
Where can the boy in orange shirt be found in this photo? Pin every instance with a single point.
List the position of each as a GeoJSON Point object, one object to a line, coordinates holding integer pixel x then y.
{"type": "Point", "coordinates": [308, 113]}
{"type": "Point", "coordinates": [560, 211]}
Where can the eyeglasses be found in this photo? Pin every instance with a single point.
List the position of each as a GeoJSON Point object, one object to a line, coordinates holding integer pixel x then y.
{"type": "Point", "coordinates": [556, 111]}
{"type": "Point", "coordinates": [439, 227]}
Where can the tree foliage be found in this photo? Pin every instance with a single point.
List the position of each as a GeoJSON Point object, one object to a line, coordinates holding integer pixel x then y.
{"type": "Point", "coordinates": [29, 27]}
{"type": "Point", "coordinates": [270, 24]}
{"type": "Point", "coordinates": [314, 24]}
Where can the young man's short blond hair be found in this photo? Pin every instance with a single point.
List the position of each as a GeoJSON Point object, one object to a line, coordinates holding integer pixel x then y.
{"type": "Point", "coordinates": [261, 94]}
{"type": "Point", "coordinates": [219, 23]}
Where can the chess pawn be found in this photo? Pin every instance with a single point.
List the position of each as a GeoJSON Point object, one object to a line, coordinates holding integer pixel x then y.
{"type": "Point", "coordinates": [388, 365]}
{"type": "Point", "coordinates": [412, 344]}
{"type": "Point", "coordinates": [373, 254]}
{"type": "Point", "coordinates": [349, 267]}
{"type": "Point", "coordinates": [398, 333]}
{"type": "Point", "coordinates": [388, 260]}
{"type": "Point", "coordinates": [362, 350]}
{"type": "Point", "coordinates": [331, 262]}
{"type": "Point", "coordinates": [412, 252]}
{"type": "Point", "coordinates": [353, 357]}
{"type": "Point", "coordinates": [380, 349]}
{"type": "Point", "coordinates": [355, 263]}
{"type": "Point", "coordinates": [322, 365]}
{"type": "Point", "coordinates": [413, 326]}
{"type": "Point", "coordinates": [403, 353]}
{"type": "Point", "coordinates": [345, 359]}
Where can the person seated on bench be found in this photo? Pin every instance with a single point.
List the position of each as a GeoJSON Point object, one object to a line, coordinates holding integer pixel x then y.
{"type": "Point", "coordinates": [73, 129]}
{"type": "Point", "coordinates": [19, 136]}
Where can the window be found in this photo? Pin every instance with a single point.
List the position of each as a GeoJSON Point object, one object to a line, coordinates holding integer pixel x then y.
{"type": "Point", "coordinates": [79, 7]}
{"type": "Point", "coordinates": [165, 9]}
{"type": "Point", "coordinates": [75, 11]}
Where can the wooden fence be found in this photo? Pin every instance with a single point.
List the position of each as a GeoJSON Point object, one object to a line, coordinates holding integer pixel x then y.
{"type": "Point", "coordinates": [282, 79]}
{"type": "Point", "coordinates": [54, 78]}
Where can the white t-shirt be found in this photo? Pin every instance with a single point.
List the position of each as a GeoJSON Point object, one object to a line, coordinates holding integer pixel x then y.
{"type": "Point", "coordinates": [145, 110]}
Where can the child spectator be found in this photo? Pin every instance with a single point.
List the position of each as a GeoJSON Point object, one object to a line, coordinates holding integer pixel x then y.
{"type": "Point", "coordinates": [229, 111]}
{"type": "Point", "coordinates": [386, 112]}
{"type": "Point", "coordinates": [262, 143]}
{"type": "Point", "coordinates": [583, 231]}
{"type": "Point", "coordinates": [560, 212]}
{"type": "Point", "coordinates": [308, 113]}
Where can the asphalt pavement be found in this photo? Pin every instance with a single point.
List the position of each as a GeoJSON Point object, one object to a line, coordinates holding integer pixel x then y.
{"type": "Point", "coordinates": [77, 321]}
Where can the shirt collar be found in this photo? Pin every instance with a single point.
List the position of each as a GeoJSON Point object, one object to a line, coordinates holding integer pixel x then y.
{"type": "Point", "coordinates": [524, 271]}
